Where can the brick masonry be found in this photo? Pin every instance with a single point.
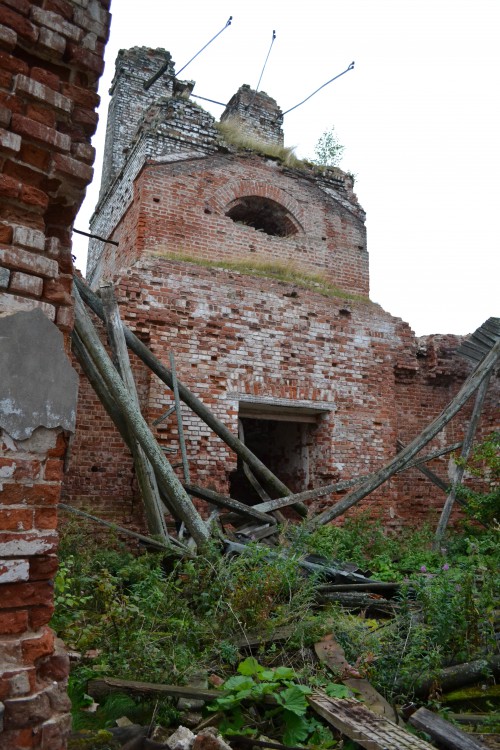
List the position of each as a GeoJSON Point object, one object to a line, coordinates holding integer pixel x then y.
{"type": "Point", "coordinates": [239, 339]}
{"type": "Point", "coordinates": [51, 57]}
{"type": "Point", "coordinates": [183, 204]}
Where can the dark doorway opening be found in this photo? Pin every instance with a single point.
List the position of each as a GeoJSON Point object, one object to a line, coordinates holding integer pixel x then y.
{"type": "Point", "coordinates": [283, 446]}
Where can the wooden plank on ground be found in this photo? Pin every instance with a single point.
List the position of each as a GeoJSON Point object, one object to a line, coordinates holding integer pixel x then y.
{"type": "Point", "coordinates": [443, 731]}
{"type": "Point", "coordinates": [331, 653]}
{"type": "Point", "coordinates": [105, 685]}
{"type": "Point", "coordinates": [360, 724]}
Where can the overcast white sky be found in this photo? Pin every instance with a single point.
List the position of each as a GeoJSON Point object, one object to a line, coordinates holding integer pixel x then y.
{"type": "Point", "coordinates": [419, 117]}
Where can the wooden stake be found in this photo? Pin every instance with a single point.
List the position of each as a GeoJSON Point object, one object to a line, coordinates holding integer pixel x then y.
{"type": "Point", "coordinates": [466, 450]}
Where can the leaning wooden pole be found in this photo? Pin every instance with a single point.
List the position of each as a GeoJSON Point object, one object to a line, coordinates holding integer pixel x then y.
{"type": "Point", "coordinates": [472, 383]}
{"type": "Point", "coordinates": [180, 502]}
{"type": "Point", "coordinates": [270, 481]}
{"type": "Point", "coordinates": [460, 470]}
{"type": "Point", "coordinates": [102, 391]}
{"type": "Point", "coordinates": [144, 471]}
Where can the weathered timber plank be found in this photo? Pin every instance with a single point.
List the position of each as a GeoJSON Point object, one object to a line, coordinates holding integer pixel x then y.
{"type": "Point", "coordinates": [101, 686]}
{"type": "Point", "coordinates": [466, 451]}
{"type": "Point", "coordinates": [224, 501]}
{"type": "Point", "coordinates": [180, 426]}
{"type": "Point", "coordinates": [363, 726]}
{"type": "Point", "coordinates": [330, 489]}
{"type": "Point", "coordinates": [178, 549]}
{"type": "Point", "coordinates": [105, 685]}
{"type": "Point", "coordinates": [144, 471]}
{"type": "Point", "coordinates": [460, 675]}
{"type": "Point", "coordinates": [443, 732]}
{"type": "Point", "coordinates": [331, 653]}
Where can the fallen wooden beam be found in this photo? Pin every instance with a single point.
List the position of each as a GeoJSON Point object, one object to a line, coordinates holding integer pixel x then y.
{"type": "Point", "coordinates": [330, 489]}
{"type": "Point", "coordinates": [173, 547]}
{"type": "Point", "coordinates": [358, 601]}
{"type": "Point", "coordinates": [360, 724]}
{"type": "Point", "coordinates": [93, 376]}
{"type": "Point", "coordinates": [459, 675]}
{"type": "Point", "coordinates": [443, 732]}
{"type": "Point", "coordinates": [330, 652]}
{"type": "Point", "coordinates": [101, 686]}
{"type": "Point", "coordinates": [460, 470]}
{"type": "Point", "coordinates": [224, 501]}
{"type": "Point", "coordinates": [144, 471]}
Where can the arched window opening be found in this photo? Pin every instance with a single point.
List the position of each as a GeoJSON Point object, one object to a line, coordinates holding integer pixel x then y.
{"type": "Point", "coordinates": [264, 215]}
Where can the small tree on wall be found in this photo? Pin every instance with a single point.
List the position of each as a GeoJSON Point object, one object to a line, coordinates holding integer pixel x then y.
{"type": "Point", "coordinates": [328, 150]}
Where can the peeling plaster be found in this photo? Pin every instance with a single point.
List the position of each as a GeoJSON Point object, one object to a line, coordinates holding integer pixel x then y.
{"type": "Point", "coordinates": [38, 386]}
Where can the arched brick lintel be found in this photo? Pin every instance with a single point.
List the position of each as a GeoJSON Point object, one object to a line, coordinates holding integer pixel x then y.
{"type": "Point", "coordinates": [227, 196]}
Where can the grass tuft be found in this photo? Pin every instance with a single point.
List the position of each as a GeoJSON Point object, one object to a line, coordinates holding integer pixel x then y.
{"type": "Point", "coordinates": [232, 132]}
{"type": "Point", "coordinates": [275, 269]}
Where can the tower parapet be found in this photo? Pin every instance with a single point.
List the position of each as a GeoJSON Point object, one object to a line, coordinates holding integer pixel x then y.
{"type": "Point", "coordinates": [257, 113]}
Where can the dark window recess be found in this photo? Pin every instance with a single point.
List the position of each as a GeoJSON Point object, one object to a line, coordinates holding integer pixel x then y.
{"type": "Point", "coordinates": [264, 215]}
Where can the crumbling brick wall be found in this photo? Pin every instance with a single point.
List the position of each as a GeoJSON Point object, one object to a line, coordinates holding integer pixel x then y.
{"type": "Point", "coordinates": [51, 57]}
{"type": "Point", "coordinates": [186, 207]}
{"type": "Point", "coordinates": [239, 339]}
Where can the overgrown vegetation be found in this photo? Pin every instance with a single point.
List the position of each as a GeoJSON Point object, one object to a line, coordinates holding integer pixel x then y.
{"type": "Point", "coordinates": [328, 150]}
{"type": "Point", "coordinates": [287, 272]}
{"type": "Point", "coordinates": [139, 617]}
{"type": "Point", "coordinates": [232, 132]}
{"type": "Point", "coordinates": [484, 463]}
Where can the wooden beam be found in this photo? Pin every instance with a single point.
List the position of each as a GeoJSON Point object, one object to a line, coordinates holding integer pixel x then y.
{"type": "Point", "coordinates": [330, 489]}
{"type": "Point", "coordinates": [407, 454]}
{"type": "Point", "coordinates": [102, 686]}
{"type": "Point", "coordinates": [174, 547]}
{"type": "Point", "coordinates": [466, 451]}
{"type": "Point", "coordinates": [179, 500]}
{"type": "Point", "coordinates": [93, 376]}
{"type": "Point", "coordinates": [180, 426]}
{"type": "Point", "coordinates": [459, 675]}
{"type": "Point", "coordinates": [444, 486]}
{"type": "Point", "coordinates": [443, 731]}
{"type": "Point", "coordinates": [360, 724]}
{"type": "Point", "coordinates": [144, 471]}
{"type": "Point", "coordinates": [224, 501]}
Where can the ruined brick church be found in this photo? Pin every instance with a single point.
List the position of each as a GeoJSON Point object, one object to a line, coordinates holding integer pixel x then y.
{"type": "Point", "coordinates": [254, 273]}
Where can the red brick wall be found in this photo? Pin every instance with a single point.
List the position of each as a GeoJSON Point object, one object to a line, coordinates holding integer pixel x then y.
{"type": "Point", "coordinates": [236, 336]}
{"type": "Point", "coordinates": [180, 208]}
{"type": "Point", "coordinates": [51, 57]}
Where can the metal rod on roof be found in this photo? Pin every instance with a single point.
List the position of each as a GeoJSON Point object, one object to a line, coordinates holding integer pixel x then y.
{"type": "Point", "coordinates": [267, 58]}
{"type": "Point", "coordinates": [228, 23]}
{"type": "Point", "coordinates": [197, 96]}
{"type": "Point", "coordinates": [95, 237]}
{"type": "Point", "coordinates": [351, 66]}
